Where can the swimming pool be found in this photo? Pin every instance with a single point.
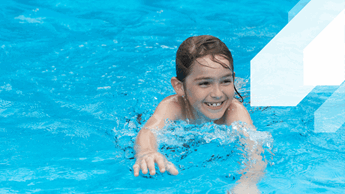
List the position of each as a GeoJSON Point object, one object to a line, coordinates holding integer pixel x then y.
{"type": "Point", "coordinates": [79, 78]}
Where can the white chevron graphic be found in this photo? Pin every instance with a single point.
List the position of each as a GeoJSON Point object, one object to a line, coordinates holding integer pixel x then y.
{"type": "Point", "coordinates": [308, 51]}
{"type": "Point", "coordinates": [297, 8]}
{"type": "Point", "coordinates": [277, 71]}
{"type": "Point", "coordinates": [330, 116]}
{"type": "Point", "coordinates": [323, 58]}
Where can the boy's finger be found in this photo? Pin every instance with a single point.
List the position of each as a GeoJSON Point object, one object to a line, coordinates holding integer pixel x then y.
{"type": "Point", "coordinates": [143, 166]}
{"type": "Point", "coordinates": [171, 168]}
{"type": "Point", "coordinates": [136, 168]}
{"type": "Point", "coordinates": [150, 163]}
{"type": "Point", "coordinates": [160, 162]}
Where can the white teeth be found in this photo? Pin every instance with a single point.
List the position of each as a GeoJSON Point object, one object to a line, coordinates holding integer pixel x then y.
{"type": "Point", "coordinates": [214, 104]}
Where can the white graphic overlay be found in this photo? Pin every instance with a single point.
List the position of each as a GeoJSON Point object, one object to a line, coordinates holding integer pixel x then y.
{"type": "Point", "coordinates": [323, 58]}
{"type": "Point", "coordinates": [331, 114]}
{"type": "Point", "coordinates": [308, 51]}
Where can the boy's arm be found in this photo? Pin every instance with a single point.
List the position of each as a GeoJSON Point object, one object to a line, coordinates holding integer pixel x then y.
{"type": "Point", "coordinates": [255, 167]}
{"type": "Point", "coordinates": [237, 112]}
{"type": "Point", "coordinates": [146, 143]}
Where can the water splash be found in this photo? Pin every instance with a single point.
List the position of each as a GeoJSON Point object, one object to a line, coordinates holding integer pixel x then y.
{"type": "Point", "coordinates": [200, 144]}
{"type": "Point", "coordinates": [207, 145]}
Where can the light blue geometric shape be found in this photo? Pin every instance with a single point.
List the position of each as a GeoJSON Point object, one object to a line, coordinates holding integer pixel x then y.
{"type": "Point", "coordinates": [323, 58]}
{"type": "Point", "coordinates": [277, 70]}
{"type": "Point", "coordinates": [330, 116]}
{"type": "Point", "coordinates": [297, 8]}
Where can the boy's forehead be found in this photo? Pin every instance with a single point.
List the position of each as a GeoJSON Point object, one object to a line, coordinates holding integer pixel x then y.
{"type": "Point", "coordinates": [208, 62]}
{"type": "Point", "coordinates": [210, 69]}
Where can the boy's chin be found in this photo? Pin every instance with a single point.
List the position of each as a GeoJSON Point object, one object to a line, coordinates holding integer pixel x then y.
{"type": "Point", "coordinates": [214, 117]}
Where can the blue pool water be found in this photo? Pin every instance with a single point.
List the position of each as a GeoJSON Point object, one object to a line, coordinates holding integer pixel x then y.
{"type": "Point", "coordinates": [79, 78]}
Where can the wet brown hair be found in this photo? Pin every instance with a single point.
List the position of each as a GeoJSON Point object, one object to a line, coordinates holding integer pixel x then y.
{"type": "Point", "coordinates": [199, 46]}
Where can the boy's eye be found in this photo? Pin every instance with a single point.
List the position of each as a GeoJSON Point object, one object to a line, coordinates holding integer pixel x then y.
{"type": "Point", "coordinates": [204, 83]}
{"type": "Point", "coordinates": [227, 81]}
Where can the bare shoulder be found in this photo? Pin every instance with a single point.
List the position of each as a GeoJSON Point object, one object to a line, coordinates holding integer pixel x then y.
{"type": "Point", "coordinates": [169, 108]}
{"type": "Point", "coordinates": [237, 112]}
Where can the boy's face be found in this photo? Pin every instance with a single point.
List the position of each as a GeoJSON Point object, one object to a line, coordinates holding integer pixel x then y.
{"type": "Point", "coordinates": [209, 88]}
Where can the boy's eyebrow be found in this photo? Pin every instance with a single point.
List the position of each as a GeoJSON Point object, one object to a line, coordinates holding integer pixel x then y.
{"type": "Point", "coordinates": [201, 78]}
{"type": "Point", "coordinates": [227, 75]}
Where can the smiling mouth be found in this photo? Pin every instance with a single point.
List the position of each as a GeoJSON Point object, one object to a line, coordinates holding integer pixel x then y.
{"type": "Point", "coordinates": [214, 105]}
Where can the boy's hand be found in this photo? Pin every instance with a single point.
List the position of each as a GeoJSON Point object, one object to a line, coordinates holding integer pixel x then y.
{"type": "Point", "coordinates": [147, 161]}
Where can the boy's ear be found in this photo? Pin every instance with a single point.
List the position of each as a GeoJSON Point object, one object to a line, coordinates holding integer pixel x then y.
{"type": "Point", "coordinates": [178, 86]}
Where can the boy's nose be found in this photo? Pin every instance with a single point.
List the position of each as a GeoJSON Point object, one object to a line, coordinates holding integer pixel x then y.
{"type": "Point", "coordinates": [216, 93]}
